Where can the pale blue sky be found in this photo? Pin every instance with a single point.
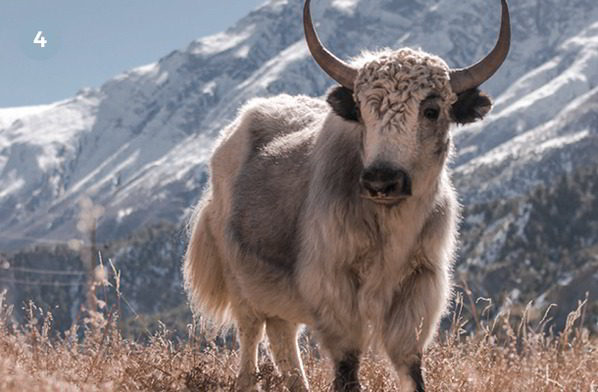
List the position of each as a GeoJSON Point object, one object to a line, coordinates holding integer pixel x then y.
{"type": "Point", "coordinates": [98, 39]}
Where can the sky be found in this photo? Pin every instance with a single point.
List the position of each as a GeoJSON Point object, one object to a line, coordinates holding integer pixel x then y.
{"type": "Point", "coordinates": [88, 42]}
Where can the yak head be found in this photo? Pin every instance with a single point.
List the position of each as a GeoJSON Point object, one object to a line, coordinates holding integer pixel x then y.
{"type": "Point", "coordinates": [405, 101]}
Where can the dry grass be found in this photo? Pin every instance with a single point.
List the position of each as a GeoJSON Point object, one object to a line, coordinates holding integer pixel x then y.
{"type": "Point", "coordinates": [500, 356]}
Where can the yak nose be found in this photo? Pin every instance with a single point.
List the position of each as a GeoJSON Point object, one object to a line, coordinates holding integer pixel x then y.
{"type": "Point", "coordinates": [386, 181]}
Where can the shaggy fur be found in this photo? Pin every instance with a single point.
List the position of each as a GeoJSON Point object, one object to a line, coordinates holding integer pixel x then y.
{"type": "Point", "coordinates": [284, 235]}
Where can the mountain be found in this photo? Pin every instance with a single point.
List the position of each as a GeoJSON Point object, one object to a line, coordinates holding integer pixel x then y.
{"type": "Point", "coordinates": [138, 145]}
{"type": "Point", "coordinates": [133, 153]}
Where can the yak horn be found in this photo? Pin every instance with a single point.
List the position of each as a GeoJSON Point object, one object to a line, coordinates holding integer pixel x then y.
{"type": "Point", "coordinates": [336, 68]}
{"type": "Point", "coordinates": [471, 77]}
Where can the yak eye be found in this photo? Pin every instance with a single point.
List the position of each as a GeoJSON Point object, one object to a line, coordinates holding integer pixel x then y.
{"type": "Point", "coordinates": [431, 114]}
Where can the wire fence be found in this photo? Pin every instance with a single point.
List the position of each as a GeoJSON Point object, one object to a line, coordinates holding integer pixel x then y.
{"type": "Point", "coordinates": [45, 282]}
{"type": "Point", "coordinates": [45, 241]}
{"type": "Point", "coordinates": [43, 271]}
{"type": "Point", "coordinates": [75, 245]}
{"type": "Point", "coordinates": [42, 283]}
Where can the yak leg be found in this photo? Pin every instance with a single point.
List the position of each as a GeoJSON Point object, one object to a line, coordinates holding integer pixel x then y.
{"type": "Point", "coordinates": [337, 322]}
{"type": "Point", "coordinates": [410, 376]}
{"type": "Point", "coordinates": [250, 330]}
{"type": "Point", "coordinates": [344, 346]}
{"type": "Point", "coordinates": [282, 336]}
{"type": "Point", "coordinates": [411, 322]}
{"type": "Point", "coordinates": [346, 377]}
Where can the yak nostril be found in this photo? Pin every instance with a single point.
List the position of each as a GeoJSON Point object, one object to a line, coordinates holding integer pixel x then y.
{"type": "Point", "coordinates": [406, 187]}
{"type": "Point", "coordinates": [389, 188]}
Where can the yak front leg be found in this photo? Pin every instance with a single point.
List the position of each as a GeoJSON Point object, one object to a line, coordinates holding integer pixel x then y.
{"type": "Point", "coordinates": [344, 342]}
{"type": "Point", "coordinates": [346, 377]}
{"type": "Point", "coordinates": [341, 332]}
{"type": "Point", "coordinates": [411, 322]}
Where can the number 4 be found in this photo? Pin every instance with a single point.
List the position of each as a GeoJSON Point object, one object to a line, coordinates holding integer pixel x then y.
{"type": "Point", "coordinates": [40, 39]}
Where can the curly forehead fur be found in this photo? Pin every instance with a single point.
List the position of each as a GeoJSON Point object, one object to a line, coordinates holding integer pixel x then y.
{"type": "Point", "coordinates": [390, 83]}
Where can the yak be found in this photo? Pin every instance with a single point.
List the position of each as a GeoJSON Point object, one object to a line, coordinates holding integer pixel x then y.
{"type": "Point", "coordinates": [338, 214]}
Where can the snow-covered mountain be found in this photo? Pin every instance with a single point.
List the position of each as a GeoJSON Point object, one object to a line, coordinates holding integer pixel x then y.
{"type": "Point", "coordinates": [134, 151]}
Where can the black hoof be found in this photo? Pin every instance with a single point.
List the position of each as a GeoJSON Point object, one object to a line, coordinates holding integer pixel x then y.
{"type": "Point", "coordinates": [347, 374]}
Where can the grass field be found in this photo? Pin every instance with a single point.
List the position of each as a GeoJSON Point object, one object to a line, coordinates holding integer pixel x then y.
{"type": "Point", "coordinates": [502, 355]}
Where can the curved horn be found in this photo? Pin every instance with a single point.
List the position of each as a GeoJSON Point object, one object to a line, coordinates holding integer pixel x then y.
{"type": "Point", "coordinates": [470, 77]}
{"type": "Point", "coordinates": [337, 69]}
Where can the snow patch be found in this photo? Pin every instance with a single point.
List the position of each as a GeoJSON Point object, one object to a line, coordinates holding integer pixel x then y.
{"type": "Point", "coordinates": [10, 115]}
{"type": "Point", "coordinates": [521, 222]}
{"type": "Point", "coordinates": [209, 88]}
{"type": "Point", "coordinates": [565, 279]}
{"type": "Point", "coordinates": [145, 69]}
{"type": "Point", "coordinates": [514, 294]}
{"type": "Point", "coordinates": [273, 69]}
{"type": "Point", "coordinates": [123, 213]}
{"type": "Point", "coordinates": [162, 78]}
{"type": "Point", "coordinates": [560, 142]}
{"type": "Point", "coordinates": [12, 186]}
{"type": "Point", "coordinates": [221, 42]}
{"type": "Point", "coordinates": [345, 5]}
{"type": "Point", "coordinates": [243, 52]}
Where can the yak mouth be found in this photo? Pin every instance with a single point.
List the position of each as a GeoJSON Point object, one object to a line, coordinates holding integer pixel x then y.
{"type": "Point", "coordinates": [390, 201]}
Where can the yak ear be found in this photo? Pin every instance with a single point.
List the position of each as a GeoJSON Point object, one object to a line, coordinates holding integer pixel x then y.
{"type": "Point", "coordinates": [342, 102]}
{"type": "Point", "coordinates": [472, 105]}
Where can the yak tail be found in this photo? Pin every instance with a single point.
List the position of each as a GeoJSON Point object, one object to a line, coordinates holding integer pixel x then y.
{"type": "Point", "coordinates": [203, 272]}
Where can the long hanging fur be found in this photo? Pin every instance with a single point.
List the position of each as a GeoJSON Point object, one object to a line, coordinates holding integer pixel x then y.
{"type": "Point", "coordinates": [203, 272]}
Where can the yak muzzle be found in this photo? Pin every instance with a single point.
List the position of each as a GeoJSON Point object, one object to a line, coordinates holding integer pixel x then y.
{"type": "Point", "coordinates": [385, 185]}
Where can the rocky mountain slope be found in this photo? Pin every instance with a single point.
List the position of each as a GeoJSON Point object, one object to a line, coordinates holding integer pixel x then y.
{"type": "Point", "coordinates": [138, 145]}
